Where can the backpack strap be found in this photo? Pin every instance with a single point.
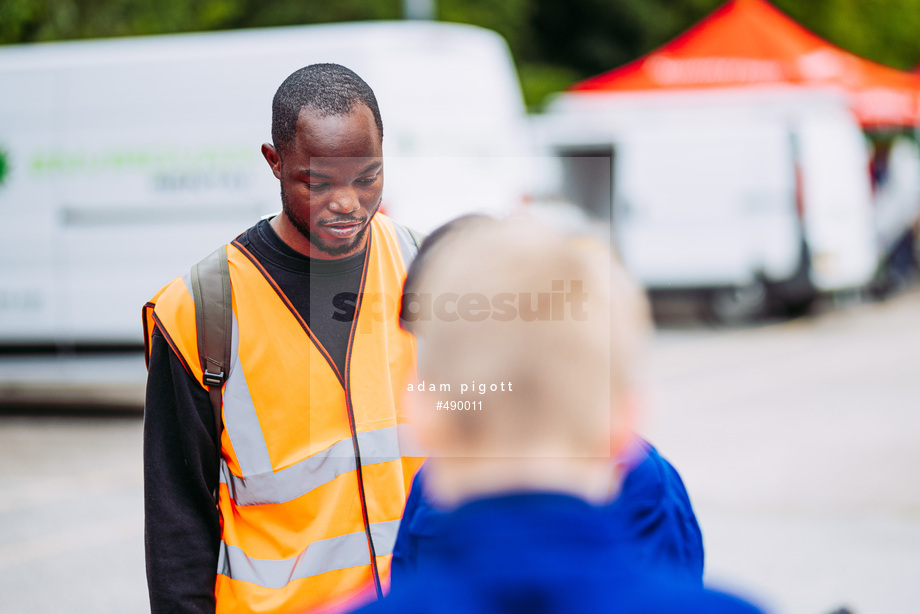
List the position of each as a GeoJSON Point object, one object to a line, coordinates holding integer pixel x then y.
{"type": "Point", "coordinates": [213, 318]}
{"type": "Point", "coordinates": [409, 242]}
{"type": "Point", "coordinates": [417, 238]}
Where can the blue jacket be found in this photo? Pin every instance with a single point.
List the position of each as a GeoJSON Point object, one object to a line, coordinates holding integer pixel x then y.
{"type": "Point", "coordinates": [652, 516]}
{"type": "Point", "coordinates": [542, 553]}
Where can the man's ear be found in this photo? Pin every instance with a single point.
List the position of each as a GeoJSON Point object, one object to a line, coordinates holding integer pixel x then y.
{"type": "Point", "coordinates": [273, 158]}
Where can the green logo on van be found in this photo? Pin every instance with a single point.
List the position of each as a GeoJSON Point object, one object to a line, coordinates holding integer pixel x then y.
{"type": "Point", "coordinates": [4, 166]}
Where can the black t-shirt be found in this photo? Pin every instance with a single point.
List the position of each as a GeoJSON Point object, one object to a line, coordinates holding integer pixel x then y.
{"type": "Point", "coordinates": [318, 289]}
{"type": "Point", "coordinates": [182, 528]}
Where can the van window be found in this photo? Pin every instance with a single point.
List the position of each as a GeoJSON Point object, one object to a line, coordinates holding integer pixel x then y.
{"type": "Point", "coordinates": [587, 178]}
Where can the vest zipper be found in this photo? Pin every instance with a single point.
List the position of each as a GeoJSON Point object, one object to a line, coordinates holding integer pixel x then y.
{"type": "Point", "coordinates": [354, 430]}
{"type": "Point", "coordinates": [344, 380]}
{"type": "Point", "coordinates": [367, 524]}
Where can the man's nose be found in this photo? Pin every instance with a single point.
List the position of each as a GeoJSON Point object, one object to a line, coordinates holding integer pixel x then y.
{"type": "Point", "coordinates": [345, 200]}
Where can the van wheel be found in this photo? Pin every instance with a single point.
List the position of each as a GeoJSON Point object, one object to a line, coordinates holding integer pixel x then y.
{"type": "Point", "coordinates": [799, 307]}
{"type": "Point", "coordinates": [737, 305]}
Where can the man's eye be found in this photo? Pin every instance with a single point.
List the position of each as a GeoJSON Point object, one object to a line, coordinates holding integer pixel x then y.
{"type": "Point", "coordinates": [317, 186]}
{"type": "Point", "coordinates": [367, 180]}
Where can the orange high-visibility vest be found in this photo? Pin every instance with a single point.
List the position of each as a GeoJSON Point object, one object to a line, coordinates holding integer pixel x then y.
{"type": "Point", "coordinates": [315, 465]}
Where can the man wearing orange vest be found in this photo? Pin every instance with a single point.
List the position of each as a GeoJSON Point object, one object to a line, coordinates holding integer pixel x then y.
{"type": "Point", "coordinates": [525, 473]}
{"type": "Point", "coordinates": [310, 470]}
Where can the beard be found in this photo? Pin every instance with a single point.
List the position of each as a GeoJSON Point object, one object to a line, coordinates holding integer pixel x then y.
{"type": "Point", "coordinates": [302, 225]}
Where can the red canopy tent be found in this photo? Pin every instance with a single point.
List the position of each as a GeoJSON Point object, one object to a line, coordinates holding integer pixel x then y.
{"type": "Point", "coordinates": [749, 43]}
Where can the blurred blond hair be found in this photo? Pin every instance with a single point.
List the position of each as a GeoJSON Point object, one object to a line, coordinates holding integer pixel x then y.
{"type": "Point", "coordinates": [570, 374]}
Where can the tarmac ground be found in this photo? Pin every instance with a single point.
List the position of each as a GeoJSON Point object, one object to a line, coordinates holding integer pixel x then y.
{"type": "Point", "coordinates": [798, 442]}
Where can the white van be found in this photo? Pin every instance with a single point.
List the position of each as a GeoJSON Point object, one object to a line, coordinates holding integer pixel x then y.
{"type": "Point", "coordinates": [897, 192]}
{"type": "Point", "coordinates": [743, 198]}
{"type": "Point", "coordinates": [124, 161]}
{"type": "Point", "coordinates": [127, 160]}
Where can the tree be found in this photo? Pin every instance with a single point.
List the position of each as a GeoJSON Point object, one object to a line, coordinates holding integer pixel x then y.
{"type": "Point", "coordinates": [555, 42]}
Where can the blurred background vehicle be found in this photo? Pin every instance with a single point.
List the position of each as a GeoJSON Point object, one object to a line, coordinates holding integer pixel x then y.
{"type": "Point", "coordinates": [130, 159]}
{"type": "Point", "coordinates": [732, 163]}
{"type": "Point", "coordinates": [736, 170]}
{"type": "Point", "coordinates": [744, 200]}
{"type": "Point", "coordinates": [797, 440]}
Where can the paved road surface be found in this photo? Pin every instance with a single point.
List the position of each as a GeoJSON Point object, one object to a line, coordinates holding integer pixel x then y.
{"type": "Point", "coordinates": [71, 515]}
{"type": "Point", "coordinates": [798, 443]}
{"type": "Point", "coordinates": [800, 446]}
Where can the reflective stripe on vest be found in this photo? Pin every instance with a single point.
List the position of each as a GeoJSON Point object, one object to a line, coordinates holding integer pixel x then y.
{"type": "Point", "coordinates": [379, 446]}
{"type": "Point", "coordinates": [292, 517]}
{"type": "Point", "coordinates": [321, 556]}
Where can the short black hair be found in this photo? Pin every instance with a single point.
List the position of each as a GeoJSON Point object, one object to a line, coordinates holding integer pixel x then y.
{"type": "Point", "coordinates": [330, 89]}
{"type": "Point", "coordinates": [419, 263]}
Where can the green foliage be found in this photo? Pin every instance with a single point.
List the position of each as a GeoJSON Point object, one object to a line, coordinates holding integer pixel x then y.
{"type": "Point", "coordinates": [593, 36]}
{"type": "Point", "coordinates": [555, 42]}
{"type": "Point", "coordinates": [23, 21]}
{"type": "Point", "coordinates": [887, 31]}
{"type": "Point", "coordinates": [261, 13]}
{"type": "Point", "coordinates": [46, 20]}
{"type": "Point", "coordinates": [510, 18]}
{"type": "Point", "coordinates": [539, 81]}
